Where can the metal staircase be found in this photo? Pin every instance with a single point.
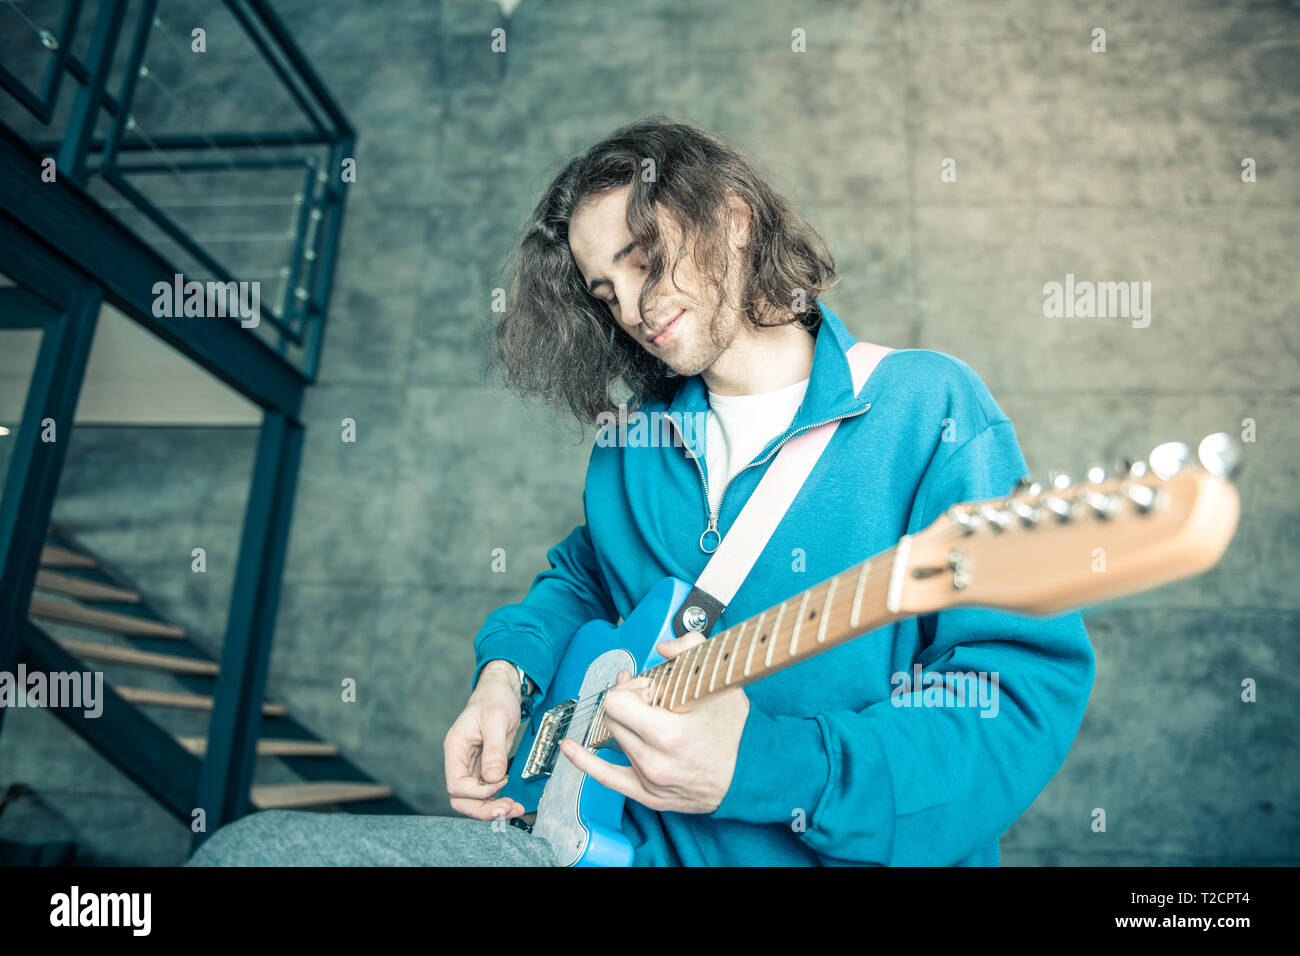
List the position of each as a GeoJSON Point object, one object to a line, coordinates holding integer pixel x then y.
{"type": "Point", "coordinates": [78, 588]}
{"type": "Point", "coordinates": [94, 191]}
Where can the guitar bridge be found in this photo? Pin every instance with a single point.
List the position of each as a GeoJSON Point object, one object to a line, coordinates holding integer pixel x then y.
{"type": "Point", "coordinates": [546, 745]}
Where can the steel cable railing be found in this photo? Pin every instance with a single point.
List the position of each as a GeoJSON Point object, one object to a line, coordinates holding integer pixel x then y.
{"type": "Point", "coordinates": [187, 190]}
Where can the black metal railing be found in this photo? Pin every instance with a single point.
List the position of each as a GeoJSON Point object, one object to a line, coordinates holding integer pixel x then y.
{"type": "Point", "coordinates": [125, 152]}
{"type": "Point", "coordinates": [94, 184]}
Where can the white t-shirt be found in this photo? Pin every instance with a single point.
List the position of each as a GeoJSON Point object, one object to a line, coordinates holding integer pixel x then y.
{"type": "Point", "coordinates": [740, 426]}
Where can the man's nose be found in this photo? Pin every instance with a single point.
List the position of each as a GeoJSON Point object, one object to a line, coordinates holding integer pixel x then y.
{"type": "Point", "coordinates": [629, 310]}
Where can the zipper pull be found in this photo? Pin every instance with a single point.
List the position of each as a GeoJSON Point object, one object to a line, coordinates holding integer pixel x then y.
{"type": "Point", "coordinates": [712, 529]}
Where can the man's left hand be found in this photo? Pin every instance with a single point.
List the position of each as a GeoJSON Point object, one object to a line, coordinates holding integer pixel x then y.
{"type": "Point", "coordinates": [680, 762]}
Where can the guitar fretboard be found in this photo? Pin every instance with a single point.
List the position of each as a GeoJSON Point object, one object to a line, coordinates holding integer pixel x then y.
{"type": "Point", "coordinates": [837, 610]}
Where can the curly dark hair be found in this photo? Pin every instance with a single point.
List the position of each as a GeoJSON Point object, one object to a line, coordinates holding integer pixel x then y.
{"type": "Point", "coordinates": [559, 342]}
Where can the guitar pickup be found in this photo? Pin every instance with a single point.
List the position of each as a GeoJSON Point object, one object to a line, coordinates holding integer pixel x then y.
{"type": "Point", "coordinates": [546, 745]}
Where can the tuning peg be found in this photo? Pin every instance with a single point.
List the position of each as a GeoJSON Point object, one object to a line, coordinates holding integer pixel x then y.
{"type": "Point", "coordinates": [1104, 507]}
{"type": "Point", "coordinates": [997, 518]}
{"type": "Point", "coordinates": [963, 519]}
{"type": "Point", "coordinates": [1058, 480]}
{"type": "Point", "coordinates": [1144, 496]}
{"type": "Point", "coordinates": [1220, 455]}
{"type": "Point", "coordinates": [1063, 508]}
{"type": "Point", "coordinates": [1029, 515]}
{"type": "Point", "coordinates": [1168, 459]}
{"type": "Point", "coordinates": [1096, 474]}
{"type": "Point", "coordinates": [1025, 486]}
{"type": "Point", "coordinates": [1131, 468]}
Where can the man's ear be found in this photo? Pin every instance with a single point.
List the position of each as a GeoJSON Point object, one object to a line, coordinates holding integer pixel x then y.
{"type": "Point", "coordinates": [740, 218]}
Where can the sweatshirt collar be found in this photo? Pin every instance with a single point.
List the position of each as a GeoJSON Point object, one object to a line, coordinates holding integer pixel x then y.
{"type": "Point", "coordinates": [830, 385]}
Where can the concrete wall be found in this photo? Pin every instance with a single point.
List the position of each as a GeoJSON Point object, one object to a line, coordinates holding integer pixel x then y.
{"type": "Point", "coordinates": [1123, 165]}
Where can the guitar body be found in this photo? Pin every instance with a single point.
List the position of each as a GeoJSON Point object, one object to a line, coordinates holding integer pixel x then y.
{"type": "Point", "coordinates": [580, 818]}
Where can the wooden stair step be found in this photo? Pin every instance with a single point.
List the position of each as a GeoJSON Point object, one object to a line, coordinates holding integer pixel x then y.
{"type": "Point", "coordinates": [53, 556]}
{"type": "Point", "coordinates": [82, 588]}
{"type": "Point", "coordinates": [69, 612]}
{"type": "Point", "coordinates": [170, 698]}
{"type": "Point", "coordinates": [271, 747]}
{"type": "Point", "coordinates": [275, 796]}
{"type": "Point", "coordinates": [172, 664]}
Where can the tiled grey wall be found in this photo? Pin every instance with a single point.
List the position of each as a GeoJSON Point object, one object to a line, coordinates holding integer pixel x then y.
{"type": "Point", "coordinates": [1117, 166]}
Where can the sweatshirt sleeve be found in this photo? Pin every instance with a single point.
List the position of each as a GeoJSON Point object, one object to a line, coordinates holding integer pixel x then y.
{"type": "Point", "coordinates": [929, 785]}
{"type": "Point", "coordinates": [535, 633]}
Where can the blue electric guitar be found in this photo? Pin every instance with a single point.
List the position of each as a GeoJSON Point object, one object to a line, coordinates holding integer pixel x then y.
{"type": "Point", "coordinates": [1030, 553]}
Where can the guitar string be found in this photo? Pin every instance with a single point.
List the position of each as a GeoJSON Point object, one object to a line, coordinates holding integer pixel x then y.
{"type": "Point", "coordinates": [672, 692]}
{"type": "Point", "coordinates": [875, 588]}
{"type": "Point", "coordinates": [585, 706]}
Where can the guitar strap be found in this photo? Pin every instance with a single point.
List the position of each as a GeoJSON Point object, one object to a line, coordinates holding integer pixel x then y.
{"type": "Point", "coordinates": [749, 534]}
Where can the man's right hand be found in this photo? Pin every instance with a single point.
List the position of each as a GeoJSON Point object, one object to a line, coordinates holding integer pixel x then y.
{"type": "Point", "coordinates": [474, 750]}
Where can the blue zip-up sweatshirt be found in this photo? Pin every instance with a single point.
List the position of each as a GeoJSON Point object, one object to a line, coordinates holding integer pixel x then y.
{"type": "Point", "coordinates": [829, 770]}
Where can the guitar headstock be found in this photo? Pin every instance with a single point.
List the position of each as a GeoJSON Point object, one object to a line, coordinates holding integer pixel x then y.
{"type": "Point", "coordinates": [1049, 549]}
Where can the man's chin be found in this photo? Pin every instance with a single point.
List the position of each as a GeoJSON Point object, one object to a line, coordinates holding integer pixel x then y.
{"type": "Point", "coordinates": [688, 361]}
{"type": "Point", "coordinates": [684, 370]}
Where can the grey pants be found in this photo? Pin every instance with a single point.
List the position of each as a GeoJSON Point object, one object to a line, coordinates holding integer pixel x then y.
{"type": "Point", "coordinates": [307, 838]}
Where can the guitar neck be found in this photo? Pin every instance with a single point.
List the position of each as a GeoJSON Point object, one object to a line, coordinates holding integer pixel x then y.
{"type": "Point", "coordinates": [838, 610]}
{"type": "Point", "coordinates": [1036, 552]}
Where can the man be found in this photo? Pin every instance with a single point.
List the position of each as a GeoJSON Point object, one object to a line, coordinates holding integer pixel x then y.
{"type": "Point", "coordinates": [661, 263]}
{"type": "Point", "coordinates": [818, 763]}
